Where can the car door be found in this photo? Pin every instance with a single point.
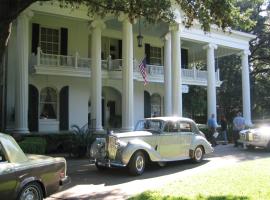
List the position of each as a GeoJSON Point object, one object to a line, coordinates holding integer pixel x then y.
{"type": "Point", "coordinates": [168, 141]}
{"type": "Point", "coordinates": [186, 136]}
{"type": "Point", "coordinates": [8, 179]}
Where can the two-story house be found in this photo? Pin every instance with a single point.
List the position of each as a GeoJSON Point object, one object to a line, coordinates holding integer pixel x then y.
{"type": "Point", "coordinates": [66, 68]}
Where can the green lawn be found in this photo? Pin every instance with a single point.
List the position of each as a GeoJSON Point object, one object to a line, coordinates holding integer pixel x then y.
{"type": "Point", "coordinates": [244, 181]}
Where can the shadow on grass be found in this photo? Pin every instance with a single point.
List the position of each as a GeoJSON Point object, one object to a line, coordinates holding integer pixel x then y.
{"type": "Point", "coordinates": [155, 196]}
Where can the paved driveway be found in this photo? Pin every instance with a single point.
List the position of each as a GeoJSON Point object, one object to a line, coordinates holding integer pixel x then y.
{"type": "Point", "coordinates": [88, 183]}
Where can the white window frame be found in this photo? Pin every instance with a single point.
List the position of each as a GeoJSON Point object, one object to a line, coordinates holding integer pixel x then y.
{"type": "Point", "coordinates": [52, 42]}
{"type": "Point", "coordinates": [153, 55]}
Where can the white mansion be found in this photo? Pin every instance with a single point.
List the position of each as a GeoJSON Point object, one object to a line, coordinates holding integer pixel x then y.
{"type": "Point", "coordinates": [65, 68]}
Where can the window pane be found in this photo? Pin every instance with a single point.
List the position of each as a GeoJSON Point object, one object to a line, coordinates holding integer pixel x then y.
{"type": "Point", "coordinates": [49, 40]}
{"type": "Point", "coordinates": [48, 103]}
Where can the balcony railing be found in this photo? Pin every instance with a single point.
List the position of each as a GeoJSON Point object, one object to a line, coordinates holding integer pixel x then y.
{"type": "Point", "coordinates": [155, 72]}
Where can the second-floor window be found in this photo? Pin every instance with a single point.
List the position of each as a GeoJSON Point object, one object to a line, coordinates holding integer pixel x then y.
{"type": "Point", "coordinates": [155, 55]}
{"type": "Point", "coordinates": [49, 40]}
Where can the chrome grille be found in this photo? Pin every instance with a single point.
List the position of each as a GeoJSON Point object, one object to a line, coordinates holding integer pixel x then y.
{"type": "Point", "coordinates": [112, 149]}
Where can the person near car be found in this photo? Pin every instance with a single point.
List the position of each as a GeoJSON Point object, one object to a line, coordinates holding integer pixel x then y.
{"type": "Point", "coordinates": [238, 125]}
{"type": "Point", "coordinates": [223, 124]}
{"type": "Point", "coordinates": [212, 128]}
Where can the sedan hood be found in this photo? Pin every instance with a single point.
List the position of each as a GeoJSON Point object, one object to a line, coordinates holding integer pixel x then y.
{"type": "Point", "coordinates": [133, 134]}
{"type": "Point", "coordinates": [41, 158]}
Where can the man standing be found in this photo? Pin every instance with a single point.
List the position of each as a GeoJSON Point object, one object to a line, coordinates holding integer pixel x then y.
{"type": "Point", "coordinates": [212, 127]}
{"type": "Point", "coordinates": [238, 125]}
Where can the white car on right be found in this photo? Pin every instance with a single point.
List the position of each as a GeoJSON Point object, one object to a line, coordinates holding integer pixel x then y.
{"type": "Point", "coordinates": [255, 137]}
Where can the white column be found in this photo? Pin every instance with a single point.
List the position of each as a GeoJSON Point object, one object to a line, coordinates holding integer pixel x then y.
{"type": "Point", "coordinates": [127, 84]}
{"type": "Point", "coordinates": [96, 74]}
{"type": "Point", "coordinates": [167, 75]}
{"type": "Point", "coordinates": [211, 80]}
{"type": "Point", "coordinates": [246, 87]}
{"type": "Point", "coordinates": [21, 91]}
{"type": "Point", "coordinates": [176, 70]}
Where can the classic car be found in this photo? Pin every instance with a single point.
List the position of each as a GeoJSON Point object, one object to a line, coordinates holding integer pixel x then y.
{"type": "Point", "coordinates": [160, 140]}
{"type": "Point", "coordinates": [255, 137]}
{"type": "Point", "coordinates": [25, 176]}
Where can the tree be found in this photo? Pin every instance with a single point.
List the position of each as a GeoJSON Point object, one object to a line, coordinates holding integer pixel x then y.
{"type": "Point", "coordinates": [230, 92]}
{"type": "Point", "coordinates": [222, 13]}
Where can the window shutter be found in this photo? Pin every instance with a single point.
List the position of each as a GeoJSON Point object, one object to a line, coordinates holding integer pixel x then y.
{"type": "Point", "coordinates": [64, 41]}
{"type": "Point", "coordinates": [184, 58]}
{"type": "Point", "coordinates": [120, 49]}
{"type": "Point", "coordinates": [64, 105]}
{"type": "Point", "coordinates": [35, 37]}
{"type": "Point", "coordinates": [147, 52]}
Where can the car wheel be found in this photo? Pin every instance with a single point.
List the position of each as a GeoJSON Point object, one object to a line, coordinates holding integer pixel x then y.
{"type": "Point", "coordinates": [137, 163]}
{"type": "Point", "coordinates": [32, 191]}
{"type": "Point", "coordinates": [100, 167]}
{"type": "Point", "coordinates": [198, 154]}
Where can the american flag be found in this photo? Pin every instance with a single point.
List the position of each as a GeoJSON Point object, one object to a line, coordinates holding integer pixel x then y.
{"type": "Point", "coordinates": [142, 67]}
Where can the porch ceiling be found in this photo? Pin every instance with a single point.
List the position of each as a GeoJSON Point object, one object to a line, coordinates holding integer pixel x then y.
{"type": "Point", "coordinates": [156, 30]}
{"type": "Point", "coordinates": [197, 53]}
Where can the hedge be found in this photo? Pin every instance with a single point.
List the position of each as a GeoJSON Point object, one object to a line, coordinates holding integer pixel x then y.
{"type": "Point", "coordinates": [34, 145]}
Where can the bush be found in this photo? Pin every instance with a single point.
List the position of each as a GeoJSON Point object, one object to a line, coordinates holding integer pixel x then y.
{"type": "Point", "coordinates": [33, 145]}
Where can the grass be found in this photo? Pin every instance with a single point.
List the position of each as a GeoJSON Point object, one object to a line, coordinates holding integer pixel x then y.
{"type": "Point", "coordinates": [245, 181]}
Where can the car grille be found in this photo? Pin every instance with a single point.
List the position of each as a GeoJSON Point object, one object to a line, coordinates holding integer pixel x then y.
{"type": "Point", "coordinates": [112, 148]}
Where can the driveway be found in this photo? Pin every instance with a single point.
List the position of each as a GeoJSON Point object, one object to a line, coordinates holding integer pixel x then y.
{"type": "Point", "coordinates": [88, 183]}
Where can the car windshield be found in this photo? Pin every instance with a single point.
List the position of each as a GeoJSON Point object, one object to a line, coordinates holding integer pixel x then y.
{"type": "Point", "coordinates": [152, 125]}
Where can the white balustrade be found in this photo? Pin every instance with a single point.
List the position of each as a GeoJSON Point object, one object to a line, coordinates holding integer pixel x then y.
{"type": "Point", "coordinates": [52, 60]}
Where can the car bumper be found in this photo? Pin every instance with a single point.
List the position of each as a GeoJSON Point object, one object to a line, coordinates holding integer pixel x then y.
{"type": "Point", "coordinates": [251, 143]}
{"type": "Point", "coordinates": [65, 181]}
{"type": "Point", "coordinates": [107, 163]}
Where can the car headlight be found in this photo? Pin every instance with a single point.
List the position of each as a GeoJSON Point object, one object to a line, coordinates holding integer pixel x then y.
{"type": "Point", "coordinates": [256, 136]}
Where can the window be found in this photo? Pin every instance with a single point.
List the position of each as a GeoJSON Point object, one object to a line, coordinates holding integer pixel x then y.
{"type": "Point", "coordinates": [49, 40]}
{"type": "Point", "coordinates": [48, 103]}
{"type": "Point", "coordinates": [155, 56]}
{"type": "Point", "coordinates": [155, 105]}
{"type": "Point", "coordinates": [185, 127]}
{"type": "Point", "coordinates": [171, 127]}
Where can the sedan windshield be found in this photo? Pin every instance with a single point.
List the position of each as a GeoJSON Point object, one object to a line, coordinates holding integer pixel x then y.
{"type": "Point", "coordinates": [151, 125]}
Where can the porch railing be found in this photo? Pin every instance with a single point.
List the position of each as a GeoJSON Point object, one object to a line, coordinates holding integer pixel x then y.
{"type": "Point", "coordinates": [52, 60]}
{"type": "Point", "coordinates": [55, 60]}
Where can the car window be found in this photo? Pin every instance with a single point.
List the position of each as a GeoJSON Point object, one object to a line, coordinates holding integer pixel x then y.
{"type": "Point", "coordinates": [185, 127]}
{"type": "Point", "coordinates": [171, 127]}
{"type": "Point", "coordinates": [2, 154]}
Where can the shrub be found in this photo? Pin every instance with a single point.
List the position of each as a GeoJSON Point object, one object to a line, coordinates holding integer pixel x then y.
{"type": "Point", "coordinates": [33, 145]}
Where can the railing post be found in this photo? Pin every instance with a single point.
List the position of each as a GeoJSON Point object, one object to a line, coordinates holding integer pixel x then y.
{"type": "Point", "coordinates": [38, 55]}
{"type": "Point", "coordinates": [58, 59]}
{"type": "Point", "coordinates": [194, 73]}
{"type": "Point", "coordinates": [218, 78]}
{"type": "Point", "coordinates": [109, 62]}
{"type": "Point", "coordinates": [76, 59]}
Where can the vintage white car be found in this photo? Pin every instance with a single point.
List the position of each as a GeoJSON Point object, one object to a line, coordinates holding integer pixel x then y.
{"type": "Point", "coordinates": [160, 140]}
{"type": "Point", "coordinates": [256, 137]}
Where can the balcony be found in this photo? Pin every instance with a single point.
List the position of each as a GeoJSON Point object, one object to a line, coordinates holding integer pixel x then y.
{"type": "Point", "coordinates": [76, 66]}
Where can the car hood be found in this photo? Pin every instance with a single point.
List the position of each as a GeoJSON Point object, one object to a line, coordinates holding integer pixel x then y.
{"type": "Point", "coordinates": [133, 134]}
{"type": "Point", "coordinates": [41, 158]}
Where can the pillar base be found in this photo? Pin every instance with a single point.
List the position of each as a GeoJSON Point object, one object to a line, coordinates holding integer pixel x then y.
{"type": "Point", "coordinates": [21, 131]}
{"type": "Point", "coordinates": [127, 129]}
{"type": "Point", "coordinates": [249, 124]}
